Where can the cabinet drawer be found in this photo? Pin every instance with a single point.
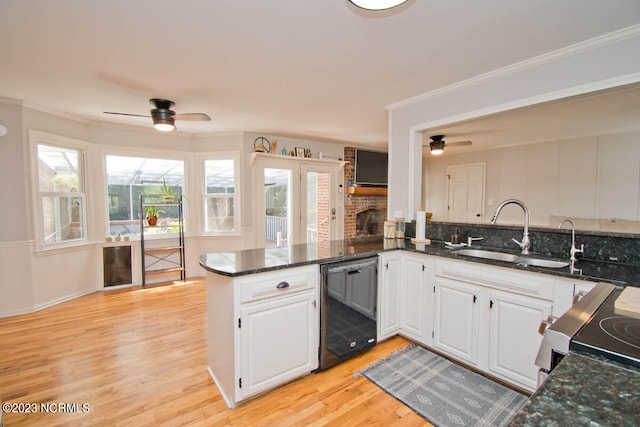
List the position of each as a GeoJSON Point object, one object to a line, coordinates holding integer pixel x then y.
{"type": "Point", "coordinates": [534, 284]}
{"type": "Point", "coordinates": [277, 283]}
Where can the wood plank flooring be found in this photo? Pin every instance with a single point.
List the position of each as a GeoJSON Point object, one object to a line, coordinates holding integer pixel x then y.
{"type": "Point", "coordinates": [137, 357]}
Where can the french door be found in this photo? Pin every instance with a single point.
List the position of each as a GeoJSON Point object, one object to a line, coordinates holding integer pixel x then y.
{"type": "Point", "coordinates": [300, 203]}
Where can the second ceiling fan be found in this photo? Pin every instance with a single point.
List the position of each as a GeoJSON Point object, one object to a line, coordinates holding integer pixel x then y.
{"type": "Point", "coordinates": [437, 144]}
{"type": "Point", "coordinates": [164, 117]}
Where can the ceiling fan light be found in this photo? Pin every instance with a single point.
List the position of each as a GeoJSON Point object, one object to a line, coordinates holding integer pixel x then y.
{"type": "Point", "coordinates": [163, 119]}
{"type": "Point", "coordinates": [437, 147]}
{"type": "Point", "coordinates": [377, 4]}
{"type": "Point", "coordinates": [164, 127]}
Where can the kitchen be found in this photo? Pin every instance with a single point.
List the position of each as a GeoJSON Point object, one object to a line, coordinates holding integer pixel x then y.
{"type": "Point", "coordinates": [408, 124]}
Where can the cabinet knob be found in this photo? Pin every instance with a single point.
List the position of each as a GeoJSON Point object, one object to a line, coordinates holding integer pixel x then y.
{"type": "Point", "coordinates": [282, 285]}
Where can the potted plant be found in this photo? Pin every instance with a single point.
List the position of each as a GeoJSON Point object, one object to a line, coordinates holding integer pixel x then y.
{"type": "Point", "coordinates": [168, 193]}
{"type": "Point", "coordinates": [152, 215]}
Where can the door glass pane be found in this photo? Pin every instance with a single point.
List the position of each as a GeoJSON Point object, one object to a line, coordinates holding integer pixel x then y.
{"type": "Point", "coordinates": [277, 203]}
{"type": "Point", "coordinates": [318, 211]}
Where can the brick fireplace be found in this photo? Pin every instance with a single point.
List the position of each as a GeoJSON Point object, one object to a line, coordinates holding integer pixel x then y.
{"type": "Point", "coordinates": [364, 215]}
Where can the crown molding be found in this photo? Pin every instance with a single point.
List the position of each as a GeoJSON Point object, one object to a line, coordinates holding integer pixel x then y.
{"type": "Point", "coordinates": [584, 46]}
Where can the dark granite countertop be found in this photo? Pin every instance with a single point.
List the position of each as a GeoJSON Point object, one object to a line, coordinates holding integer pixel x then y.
{"type": "Point", "coordinates": [585, 390]}
{"type": "Point", "coordinates": [252, 261]}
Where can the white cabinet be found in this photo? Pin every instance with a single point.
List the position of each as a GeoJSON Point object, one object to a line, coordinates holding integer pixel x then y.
{"type": "Point", "coordinates": [513, 336]}
{"type": "Point", "coordinates": [488, 317]}
{"type": "Point", "coordinates": [262, 330]}
{"type": "Point", "coordinates": [416, 302]}
{"type": "Point", "coordinates": [456, 323]}
{"type": "Point", "coordinates": [405, 284]}
{"type": "Point", "coordinates": [388, 294]}
{"type": "Point", "coordinates": [278, 342]}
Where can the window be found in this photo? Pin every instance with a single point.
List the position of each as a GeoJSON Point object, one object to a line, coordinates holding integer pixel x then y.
{"type": "Point", "coordinates": [221, 195]}
{"type": "Point", "coordinates": [60, 191]}
{"type": "Point", "coordinates": [128, 178]}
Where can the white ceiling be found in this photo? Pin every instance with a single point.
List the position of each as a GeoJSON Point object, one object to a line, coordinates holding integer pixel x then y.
{"type": "Point", "coordinates": [320, 68]}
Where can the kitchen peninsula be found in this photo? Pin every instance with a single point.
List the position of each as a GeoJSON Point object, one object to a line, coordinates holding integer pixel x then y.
{"type": "Point", "coordinates": [245, 304]}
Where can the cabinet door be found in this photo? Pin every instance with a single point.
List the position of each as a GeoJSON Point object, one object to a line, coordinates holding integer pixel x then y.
{"type": "Point", "coordinates": [456, 323]}
{"type": "Point", "coordinates": [413, 293]}
{"type": "Point", "coordinates": [513, 338]}
{"type": "Point", "coordinates": [278, 342]}
{"type": "Point", "coordinates": [388, 296]}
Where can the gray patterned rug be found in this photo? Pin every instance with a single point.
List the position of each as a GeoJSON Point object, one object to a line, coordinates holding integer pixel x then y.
{"type": "Point", "coordinates": [441, 391]}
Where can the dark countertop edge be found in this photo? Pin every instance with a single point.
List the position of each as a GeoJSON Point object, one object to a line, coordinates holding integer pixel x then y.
{"type": "Point", "coordinates": [327, 260]}
{"type": "Point", "coordinates": [434, 249]}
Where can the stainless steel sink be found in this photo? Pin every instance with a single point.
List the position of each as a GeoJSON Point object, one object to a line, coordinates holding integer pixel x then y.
{"type": "Point", "coordinates": [481, 253]}
{"type": "Point", "coordinates": [543, 262]}
{"type": "Point", "coordinates": [516, 259]}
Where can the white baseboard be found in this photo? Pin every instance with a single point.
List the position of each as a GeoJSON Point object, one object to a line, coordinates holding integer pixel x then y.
{"type": "Point", "coordinates": [65, 298]}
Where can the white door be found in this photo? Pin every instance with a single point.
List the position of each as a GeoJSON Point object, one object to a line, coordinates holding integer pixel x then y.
{"type": "Point", "coordinates": [514, 339]}
{"type": "Point", "coordinates": [278, 342]}
{"type": "Point", "coordinates": [465, 193]}
{"type": "Point", "coordinates": [413, 296]}
{"type": "Point", "coordinates": [456, 325]}
{"type": "Point", "coordinates": [299, 203]}
{"type": "Point", "coordinates": [389, 295]}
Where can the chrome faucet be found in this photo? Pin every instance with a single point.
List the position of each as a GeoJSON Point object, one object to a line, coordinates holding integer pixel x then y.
{"type": "Point", "coordinates": [526, 242]}
{"type": "Point", "coordinates": [573, 251]}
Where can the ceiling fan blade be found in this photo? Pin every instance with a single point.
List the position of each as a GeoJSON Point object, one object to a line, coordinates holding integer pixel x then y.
{"type": "Point", "coordinates": [124, 114]}
{"type": "Point", "coordinates": [194, 117]}
{"type": "Point", "coordinates": [457, 143]}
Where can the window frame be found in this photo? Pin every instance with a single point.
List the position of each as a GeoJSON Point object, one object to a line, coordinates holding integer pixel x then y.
{"type": "Point", "coordinates": [146, 154]}
{"type": "Point", "coordinates": [236, 195]}
{"type": "Point", "coordinates": [37, 138]}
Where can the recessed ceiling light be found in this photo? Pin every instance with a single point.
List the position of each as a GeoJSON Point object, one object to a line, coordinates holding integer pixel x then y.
{"type": "Point", "coordinates": [377, 4]}
{"type": "Point", "coordinates": [3, 130]}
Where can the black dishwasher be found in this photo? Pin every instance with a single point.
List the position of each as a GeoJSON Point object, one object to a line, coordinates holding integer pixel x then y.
{"type": "Point", "coordinates": [348, 309]}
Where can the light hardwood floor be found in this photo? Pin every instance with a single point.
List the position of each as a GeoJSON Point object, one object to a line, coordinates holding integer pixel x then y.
{"type": "Point", "coordinates": [138, 357]}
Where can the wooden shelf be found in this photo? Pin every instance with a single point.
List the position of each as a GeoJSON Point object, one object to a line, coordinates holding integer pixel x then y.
{"type": "Point", "coordinates": [330, 162]}
{"type": "Point", "coordinates": [367, 191]}
{"type": "Point", "coordinates": [163, 249]}
{"type": "Point", "coordinates": [165, 270]}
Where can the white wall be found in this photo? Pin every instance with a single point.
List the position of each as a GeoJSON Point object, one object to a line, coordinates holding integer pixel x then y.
{"type": "Point", "coordinates": [33, 279]}
{"type": "Point", "coordinates": [601, 63]}
{"type": "Point", "coordinates": [590, 177]}
{"type": "Point", "coordinates": [13, 173]}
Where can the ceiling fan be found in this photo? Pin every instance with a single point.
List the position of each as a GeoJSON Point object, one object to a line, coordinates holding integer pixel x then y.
{"type": "Point", "coordinates": [164, 117]}
{"type": "Point", "coordinates": [437, 144]}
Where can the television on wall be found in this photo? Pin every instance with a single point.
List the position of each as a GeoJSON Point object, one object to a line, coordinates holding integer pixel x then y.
{"type": "Point", "coordinates": [371, 168]}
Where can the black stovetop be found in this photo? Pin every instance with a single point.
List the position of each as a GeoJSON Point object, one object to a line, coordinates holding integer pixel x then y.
{"type": "Point", "coordinates": [611, 335]}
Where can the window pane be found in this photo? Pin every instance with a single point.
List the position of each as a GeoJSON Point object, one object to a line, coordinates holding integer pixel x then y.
{"type": "Point", "coordinates": [128, 178]}
{"type": "Point", "coordinates": [62, 218]}
{"type": "Point", "coordinates": [219, 214]}
{"type": "Point", "coordinates": [58, 169]}
{"type": "Point", "coordinates": [220, 193]}
{"type": "Point", "coordinates": [219, 176]}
